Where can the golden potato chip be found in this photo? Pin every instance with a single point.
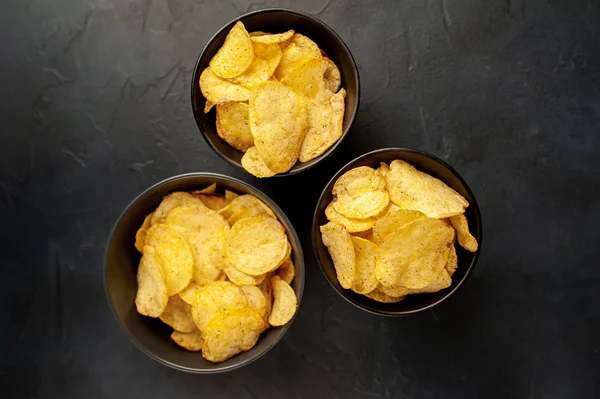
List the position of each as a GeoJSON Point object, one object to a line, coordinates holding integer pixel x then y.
{"type": "Point", "coordinates": [464, 236]}
{"type": "Point", "coordinates": [230, 333]}
{"type": "Point", "coordinates": [278, 121]}
{"type": "Point", "coordinates": [256, 245]}
{"type": "Point", "coordinates": [236, 54]}
{"type": "Point", "coordinates": [395, 291]}
{"type": "Point", "coordinates": [174, 254]}
{"type": "Point", "coordinates": [255, 165]}
{"type": "Point", "coordinates": [414, 256]}
{"type": "Point", "coordinates": [207, 190]}
{"type": "Point", "coordinates": [265, 38]}
{"type": "Point", "coordinates": [267, 290]}
{"type": "Point", "coordinates": [367, 235]}
{"type": "Point", "coordinates": [393, 221]}
{"type": "Point", "coordinates": [140, 236]}
{"type": "Point", "coordinates": [178, 315]}
{"type": "Point", "coordinates": [339, 244]}
{"type": "Point", "coordinates": [230, 195]}
{"type": "Point", "coordinates": [208, 106]}
{"type": "Point", "coordinates": [214, 298]}
{"type": "Point", "coordinates": [191, 341]}
{"type": "Point", "coordinates": [413, 190]}
{"type": "Point", "coordinates": [232, 125]}
{"type": "Point", "coordinates": [256, 299]}
{"type": "Point", "coordinates": [352, 225]}
{"type": "Point", "coordinates": [452, 262]}
{"type": "Point", "coordinates": [286, 271]}
{"type": "Point", "coordinates": [383, 169]}
{"type": "Point", "coordinates": [284, 302]}
{"type": "Point", "coordinates": [216, 202]}
{"type": "Point", "coordinates": [266, 59]}
{"type": "Point", "coordinates": [364, 278]}
{"type": "Point", "coordinates": [307, 79]}
{"type": "Point", "coordinates": [332, 76]}
{"type": "Point", "coordinates": [379, 296]}
{"type": "Point", "coordinates": [258, 33]}
{"type": "Point", "coordinates": [171, 202]}
{"type": "Point", "coordinates": [218, 91]}
{"type": "Point", "coordinates": [189, 293]}
{"type": "Point", "coordinates": [305, 43]}
{"type": "Point", "coordinates": [222, 277]}
{"type": "Point", "coordinates": [151, 298]}
{"type": "Point", "coordinates": [297, 52]}
{"type": "Point", "coordinates": [205, 231]}
{"type": "Point", "coordinates": [244, 206]}
{"type": "Point", "coordinates": [360, 193]}
{"type": "Point", "coordinates": [239, 278]}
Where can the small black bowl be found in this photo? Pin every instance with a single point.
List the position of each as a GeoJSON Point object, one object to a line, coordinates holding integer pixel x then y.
{"type": "Point", "coordinates": [120, 281]}
{"type": "Point", "coordinates": [277, 21]}
{"type": "Point", "coordinates": [466, 260]}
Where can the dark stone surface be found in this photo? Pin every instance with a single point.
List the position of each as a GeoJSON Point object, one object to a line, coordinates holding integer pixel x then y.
{"type": "Point", "coordinates": [95, 108]}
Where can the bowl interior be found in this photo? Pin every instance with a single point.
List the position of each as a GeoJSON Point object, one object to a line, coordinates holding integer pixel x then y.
{"type": "Point", "coordinates": [277, 21]}
{"type": "Point", "coordinates": [121, 263]}
{"type": "Point", "coordinates": [466, 260]}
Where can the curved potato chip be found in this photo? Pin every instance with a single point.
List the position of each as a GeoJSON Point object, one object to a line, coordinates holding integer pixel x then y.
{"type": "Point", "coordinates": [352, 225]}
{"type": "Point", "coordinates": [278, 121]}
{"type": "Point", "coordinates": [417, 191]}
{"type": "Point", "coordinates": [256, 245]}
{"type": "Point", "coordinates": [140, 235]}
{"type": "Point", "coordinates": [379, 296]}
{"type": "Point", "coordinates": [265, 38]}
{"type": "Point", "coordinates": [414, 256]}
{"type": "Point", "coordinates": [394, 291]}
{"type": "Point", "coordinates": [339, 244]}
{"type": "Point", "coordinates": [174, 254]}
{"type": "Point", "coordinates": [239, 278]}
{"type": "Point", "coordinates": [367, 235]}
{"type": "Point", "coordinates": [208, 106]}
{"type": "Point", "coordinates": [257, 33]}
{"type": "Point", "coordinates": [307, 79]}
{"type": "Point", "coordinates": [171, 202]}
{"type": "Point", "coordinates": [230, 333]}
{"type": "Point", "coordinates": [284, 302]}
{"type": "Point", "coordinates": [266, 59]}
{"type": "Point", "coordinates": [383, 169]}
{"type": "Point", "coordinates": [452, 263]}
{"type": "Point", "coordinates": [207, 190]}
{"type": "Point", "coordinates": [178, 315]}
{"type": "Point", "coordinates": [393, 221]}
{"type": "Point", "coordinates": [256, 299]}
{"type": "Point", "coordinates": [305, 43]}
{"type": "Point", "coordinates": [295, 55]}
{"type": "Point", "coordinates": [332, 76]}
{"type": "Point", "coordinates": [364, 278]}
{"type": "Point", "coordinates": [189, 293]}
{"type": "Point", "coordinates": [191, 341]}
{"type": "Point", "coordinates": [214, 298]}
{"type": "Point", "coordinates": [464, 236]}
{"type": "Point", "coordinates": [151, 298]}
{"type": "Point", "coordinates": [218, 91]}
{"type": "Point", "coordinates": [244, 206]}
{"type": "Point", "coordinates": [255, 165]}
{"type": "Point", "coordinates": [267, 289]}
{"type": "Point", "coordinates": [236, 54]}
{"type": "Point", "coordinates": [230, 195]}
{"type": "Point", "coordinates": [286, 271]}
{"type": "Point", "coordinates": [233, 126]}
{"type": "Point", "coordinates": [215, 202]}
{"type": "Point", "coordinates": [360, 193]}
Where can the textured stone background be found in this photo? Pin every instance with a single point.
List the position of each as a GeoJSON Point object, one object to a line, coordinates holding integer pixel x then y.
{"type": "Point", "coordinates": [95, 108]}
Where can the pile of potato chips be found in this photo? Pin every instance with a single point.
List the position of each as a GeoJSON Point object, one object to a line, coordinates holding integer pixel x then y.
{"type": "Point", "coordinates": [391, 231]}
{"type": "Point", "coordinates": [217, 269]}
{"type": "Point", "coordinates": [277, 98]}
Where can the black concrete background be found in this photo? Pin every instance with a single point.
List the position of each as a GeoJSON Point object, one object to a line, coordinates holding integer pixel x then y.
{"type": "Point", "coordinates": [95, 108]}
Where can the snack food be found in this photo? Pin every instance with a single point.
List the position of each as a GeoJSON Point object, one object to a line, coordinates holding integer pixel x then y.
{"type": "Point", "coordinates": [392, 231]}
{"type": "Point", "coordinates": [278, 98]}
{"type": "Point", "coordinates": [216, 268]}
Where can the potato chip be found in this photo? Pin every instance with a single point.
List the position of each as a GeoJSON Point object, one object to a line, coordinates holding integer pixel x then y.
{"type": "Point", "coordinates": [307, 79]}
{"type": "Point", "coordinates": [140, 236]}
{"type": "Point", "coordinates": [171, 202]}
{"type": "Point", "coordinates": [208, 105]}
{"type": "Point", "coordinates": [364, 278]}
{"type": "Point", "coordinates": [207, 190]}
{"type": "Point", "coordinates": [256, 299]}
{"type": "Point", "coordinates": [367, 235]}
{"type": "Point", "coordinates": [452, 262]}
{"type": "Point", "coordinates": [464, 236]}
{"type": "Point", "coordinates": [265, 38]}
{"type": "Point", "coordinates": [298, 50]}
{"type": "Point", "coordinates": [340, 247]}
{"type": "Point", "coordinates": [332, 76]}
{"type": "Point", "coordinates": [205, 231]}
{"type": "Point", "coordinates": [214, 298]}
{"type": "Point", "coordinates": [231, 332]}
{"type": "Point", "coordinates": [256, 245]}
{"type": "Point", "coordinates": [383, 169]}
{"type": "Point", "coordinates": [267, 290]}
{"type": "Point", "coordinates": [278, 121]}
{"type": "Point", "coordinates": [284, 302]}
{"type": "Point", "coordinates": [178, 315]}
{"type": "Point", "coordinates": [415, 255]}
{"type": "Point", "coordinates": [379, 296]}
{"type": "Point", "coordinates": [255, 165]}
{"type": "Point", "coordinates": [230, 195]}
{"type": "Point", "coordinates": [174, 254]}
{"type": "Point", "coordinates": [393, 221]}
{"type": "Point", "coordinates": [189, 293]}
{"type": "Point", "coordinates": [411, 189]}
{"type": "Point", "coordinates": [215, 202]}
{"type": "Point", "coordinates": [218, 91]}
{"type": "Point", "coordinates": [395, 291]}
{"type": "Point", "coordinates": [352, 225]}
{"type": "Point", "coordinates": [151, 298]}
{"type": "Point", "coordinates": [360, 193]}
{"type": "Point", "coordinates": [232, 125]}
{"type": "Point", "coordinates": [239, 278]}
{"type": "Point", "coordinates": [305, 43]}
{"type": "Point", "coordinates": [258, 33]}
{"type": "Point", "coordinates": [236, 54]}
{"type": "Point", "coordinates": [245, 206]}
{"type": "Point", "coordinates": [266, 59]}
{"type": "Point", "coordinates": [191, 341]}
{"type": "Point", "coordinates": [286, 271]}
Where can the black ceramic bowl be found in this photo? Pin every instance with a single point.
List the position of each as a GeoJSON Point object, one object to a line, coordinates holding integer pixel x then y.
{"type": "Point", "coordinates": [466, 260]}
{"type": "Point", "coordinates": [277, 21]}
{"type": "Point", "coordinates": [120, 271]}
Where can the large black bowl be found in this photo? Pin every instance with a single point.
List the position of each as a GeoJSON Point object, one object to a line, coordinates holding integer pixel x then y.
{"type": "Point", "coordinates": [277, 21]}
{"type": "Point", "coordinates": [466, 260]}
{"type": "Point", "coordinates": [121, 263]}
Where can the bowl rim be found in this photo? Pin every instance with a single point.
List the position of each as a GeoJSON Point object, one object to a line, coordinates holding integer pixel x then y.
{"type": "Point", "coordinates": [196, 75]}
{"type": "Point", "coordinates": [284, 328]}
{"type": "Point", "coordinates": [473, 204]}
